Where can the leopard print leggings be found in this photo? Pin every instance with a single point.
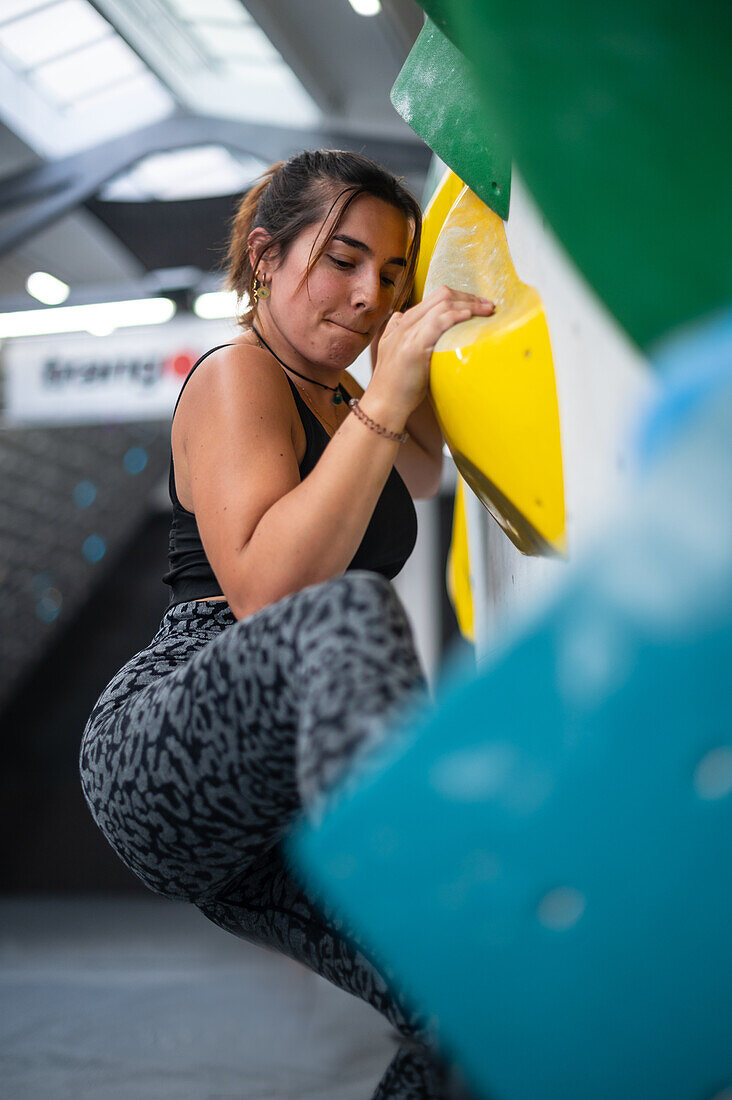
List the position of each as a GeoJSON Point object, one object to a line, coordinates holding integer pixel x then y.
{"type": "Point", "coordinates": [207, 745]}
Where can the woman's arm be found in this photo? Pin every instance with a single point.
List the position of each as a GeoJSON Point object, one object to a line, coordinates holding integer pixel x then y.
{"type": "Point", "coordinates": [419, 461]}
{"type": "Point", "coordinates": [421, 464]}
{"type": "Point", "coordinates": [265, 532]}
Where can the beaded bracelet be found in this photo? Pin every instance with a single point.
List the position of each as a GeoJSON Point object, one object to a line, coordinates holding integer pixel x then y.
{"type": "Point", "coordinates": [399, 438]}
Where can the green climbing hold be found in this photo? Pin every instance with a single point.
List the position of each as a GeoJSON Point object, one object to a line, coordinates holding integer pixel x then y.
{"type": "Point", "coordinates": [618, 117]}
{"type": "Point", "coordinates": [438, 94]}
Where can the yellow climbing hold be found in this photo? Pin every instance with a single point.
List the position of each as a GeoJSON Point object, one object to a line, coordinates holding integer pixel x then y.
{"type": "Point", "coordinates": [492, 378]}
{"type": "Point", "coordinates": [433, 220]}
{"type": "Point", "coordinates": [458, 567]}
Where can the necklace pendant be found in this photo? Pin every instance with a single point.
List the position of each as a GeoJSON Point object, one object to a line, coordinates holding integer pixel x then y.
{"type": "Point", "coordinates": [337, 398]}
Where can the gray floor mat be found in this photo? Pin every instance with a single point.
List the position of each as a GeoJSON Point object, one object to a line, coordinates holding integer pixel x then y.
{"type": "Point", "coordinates": [107, 998]}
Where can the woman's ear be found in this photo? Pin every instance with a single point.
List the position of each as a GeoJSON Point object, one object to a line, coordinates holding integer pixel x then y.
{"type": "Point", "coordinates": [257, 241]}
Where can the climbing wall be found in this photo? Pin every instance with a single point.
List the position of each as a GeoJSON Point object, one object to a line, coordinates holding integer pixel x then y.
{"type": "Point", "coordinates": [603, 385]}
{"type": "Point", "coordinates": [549, 413]}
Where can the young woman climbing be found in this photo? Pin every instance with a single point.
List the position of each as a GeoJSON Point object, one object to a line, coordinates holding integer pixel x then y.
{"type": "Point", "coordinates": [285, 655]}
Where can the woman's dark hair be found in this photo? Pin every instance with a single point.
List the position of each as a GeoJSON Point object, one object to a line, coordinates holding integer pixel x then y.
{"type": "Point", "coordinates": [297, 193]}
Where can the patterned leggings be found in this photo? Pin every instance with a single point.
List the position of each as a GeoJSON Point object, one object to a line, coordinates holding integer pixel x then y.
{"type": "Point", "coordinates": [207, 744]}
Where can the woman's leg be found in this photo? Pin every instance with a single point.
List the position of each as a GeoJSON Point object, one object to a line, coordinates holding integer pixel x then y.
{"type": "Point", "coordinates": [360, 674]}
{"type": "Point", "coordinates": [354, 678]}
{"type": "Point", "coordinates": [414, 1074]}
{"type": "Point", "coordinates": [271, 908]}
{"type": "Point", "coordinates": [195, 775]}
{"type": "Point", "coordinates": [206, 746]}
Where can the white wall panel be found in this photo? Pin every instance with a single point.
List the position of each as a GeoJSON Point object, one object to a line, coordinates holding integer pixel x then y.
{"type": "Point", "coordinates": [602, 384]}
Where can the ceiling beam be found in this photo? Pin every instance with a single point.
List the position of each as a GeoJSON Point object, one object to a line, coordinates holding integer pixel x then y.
{"type": "Point", "coordinates": [48, 192]}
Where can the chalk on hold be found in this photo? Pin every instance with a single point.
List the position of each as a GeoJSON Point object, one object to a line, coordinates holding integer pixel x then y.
{"type": "Point", "coordinates": [496, 404]}
{"type": "Point", "coordinates": [437, 94]}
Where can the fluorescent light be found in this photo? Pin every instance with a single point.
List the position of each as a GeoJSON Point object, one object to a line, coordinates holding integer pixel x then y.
{"type": "Point", "coordinates": [365, 7]}
{"type": "Point", "coordinates": [47, 288]}
{"type": "Point", "coordinates": [100, 326]}
{"type": "Point", "coordinates": [216, 304]}
{"type": "Point", "coordinates": [101, 317]}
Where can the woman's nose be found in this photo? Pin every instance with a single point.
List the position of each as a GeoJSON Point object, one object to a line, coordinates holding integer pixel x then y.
{"type": "Point", "coordinates": [367, 292]}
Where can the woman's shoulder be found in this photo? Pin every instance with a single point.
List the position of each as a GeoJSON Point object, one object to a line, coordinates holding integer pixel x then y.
{"type": "Point", "coordinates": [236, 375]}
{"type": "Point", "coordinates": [229, 399]}
{"type": "Point", "coordinates": [238, 367]}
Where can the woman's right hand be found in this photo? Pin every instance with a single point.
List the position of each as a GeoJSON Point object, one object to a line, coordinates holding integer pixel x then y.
{"type": "Point", "coordinates": [402, 370]}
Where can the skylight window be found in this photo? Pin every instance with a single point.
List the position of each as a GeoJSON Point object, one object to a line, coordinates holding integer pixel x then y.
{"type": "Point", "coordinates": [13, 8]}
{"type": "Point", "coordinates": [246, 42]}
{"type": "Point", "coordinates": [185, 174]}
{"type": "Point", "coordinates": [119, 108]}
{"type": "Point", "coordinates": [239, 52]}
{"type": "Point", "coordinates": [230, 10]}
{"type": "Point", "coordinates": [68, 80]}
{"type": "Point", "coordinates": [89, 70]}
{"type": "Point", "coordinates": [52, 32]}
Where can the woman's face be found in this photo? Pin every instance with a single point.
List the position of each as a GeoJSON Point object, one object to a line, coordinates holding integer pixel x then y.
{"type": "Point", "coordinates": [351, 290]}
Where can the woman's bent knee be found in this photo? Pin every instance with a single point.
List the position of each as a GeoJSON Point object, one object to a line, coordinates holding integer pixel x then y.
{"type": "Point", "coordinates": [370, 596]}
{"type": "Point", "coordinates": [367, 584]}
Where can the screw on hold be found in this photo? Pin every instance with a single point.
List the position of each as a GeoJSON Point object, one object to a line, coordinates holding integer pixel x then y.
{"type": "Point", "coordinates": [561, 908]}
{"type": "Point", "coordinates": [713, 777]}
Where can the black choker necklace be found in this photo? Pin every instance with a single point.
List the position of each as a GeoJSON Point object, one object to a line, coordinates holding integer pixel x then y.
{"type": "Point", "coordinates": [337, 395]}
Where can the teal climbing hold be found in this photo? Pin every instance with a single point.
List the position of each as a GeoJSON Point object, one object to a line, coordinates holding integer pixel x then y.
{"type": "Point", "coordinates": [543, 862]}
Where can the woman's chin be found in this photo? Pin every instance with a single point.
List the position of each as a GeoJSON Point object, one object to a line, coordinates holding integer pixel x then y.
{"type": "Point", "coordinates": [346, 346]}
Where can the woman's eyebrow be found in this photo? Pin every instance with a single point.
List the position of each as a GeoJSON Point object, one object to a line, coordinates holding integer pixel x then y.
{"type": "Point", "coordinates": [365, 248]}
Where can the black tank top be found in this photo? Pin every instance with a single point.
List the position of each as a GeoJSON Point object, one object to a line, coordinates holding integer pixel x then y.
{"type": "Point", "coordinates": [387, 543]}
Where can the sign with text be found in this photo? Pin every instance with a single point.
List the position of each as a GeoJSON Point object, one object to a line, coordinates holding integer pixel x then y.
{"type": "Point", "coordinates": [129, 375]}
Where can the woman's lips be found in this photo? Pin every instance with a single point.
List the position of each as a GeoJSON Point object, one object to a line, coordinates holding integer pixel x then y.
{"type": "Point", "coordinates": [354, 331]}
